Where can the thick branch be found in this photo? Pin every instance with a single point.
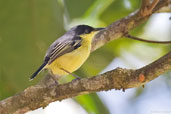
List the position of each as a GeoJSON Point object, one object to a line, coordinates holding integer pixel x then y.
{"type": "Point", "coordinates": [39, 96]}
{"type": "Point", "coordinates": [42, 94]}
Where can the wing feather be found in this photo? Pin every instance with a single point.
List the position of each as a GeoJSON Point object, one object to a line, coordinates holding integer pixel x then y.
{"type": "Point", "coordinates": [62, 48]}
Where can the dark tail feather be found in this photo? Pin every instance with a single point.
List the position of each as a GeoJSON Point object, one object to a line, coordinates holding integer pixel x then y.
{"type": "Point", "coordinates": [38, 70]}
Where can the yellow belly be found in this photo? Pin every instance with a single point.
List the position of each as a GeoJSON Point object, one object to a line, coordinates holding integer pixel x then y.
{"type": "Point", "coordinates": [70, 61]}
{"type": "Point", "coordinates": [73, 60]}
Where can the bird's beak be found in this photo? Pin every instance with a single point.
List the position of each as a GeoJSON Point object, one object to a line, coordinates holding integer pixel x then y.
{"type": "Point", "coordinates": [98, 29]}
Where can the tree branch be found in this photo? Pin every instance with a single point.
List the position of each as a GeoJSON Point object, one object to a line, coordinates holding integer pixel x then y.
{"type": "Point", "coordinates": [39, 96]}
{"type": "Point", "coordinates": [144, 40]}
{"type": "Point", "coordinates": [124, 25]}
{"type": "Point", "coordinates": [46, 92]}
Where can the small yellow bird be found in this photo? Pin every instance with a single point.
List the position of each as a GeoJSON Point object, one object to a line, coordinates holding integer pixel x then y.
{"type": "Point", "coordinates": [69, 52]}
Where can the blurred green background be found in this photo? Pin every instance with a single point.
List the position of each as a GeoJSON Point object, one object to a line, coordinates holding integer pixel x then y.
{"type": "Point", "coordinates": [28, 27]}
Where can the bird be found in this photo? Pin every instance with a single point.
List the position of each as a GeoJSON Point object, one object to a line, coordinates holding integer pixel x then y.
{"type": "Point", "coordinates": [67, 54]}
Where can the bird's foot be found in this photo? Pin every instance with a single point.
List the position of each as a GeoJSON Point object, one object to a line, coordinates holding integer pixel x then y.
{"type": "Point", "coordinates": [78, 78]}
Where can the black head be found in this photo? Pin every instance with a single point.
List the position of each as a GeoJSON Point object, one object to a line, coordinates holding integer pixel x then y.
{"type": "Point", "coordinates": [82, 29]}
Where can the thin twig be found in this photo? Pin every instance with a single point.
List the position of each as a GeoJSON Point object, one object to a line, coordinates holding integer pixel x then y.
{"type": "Point", "coordinates": [148, 41]}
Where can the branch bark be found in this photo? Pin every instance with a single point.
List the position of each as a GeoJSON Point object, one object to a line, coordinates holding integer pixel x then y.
{"type": "Point", "coordinates": [46, 92]}
{"type": "Point", "coordinates": [118, 28]}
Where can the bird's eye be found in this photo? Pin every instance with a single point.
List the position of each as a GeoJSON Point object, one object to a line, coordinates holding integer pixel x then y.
{"type": "Point", "coordinates": [87, 31]}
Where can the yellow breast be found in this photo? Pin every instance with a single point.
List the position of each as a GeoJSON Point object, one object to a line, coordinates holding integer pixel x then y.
{"type": "Point", "coordinates": [73, 60]}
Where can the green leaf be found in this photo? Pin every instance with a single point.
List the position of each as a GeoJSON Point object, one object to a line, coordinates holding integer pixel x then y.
{"type": "Point", "coordinates": [92, 104]}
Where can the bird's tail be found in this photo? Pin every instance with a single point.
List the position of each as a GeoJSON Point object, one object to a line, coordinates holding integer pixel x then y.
{"type": "Point", "coordinates": [38, 70]}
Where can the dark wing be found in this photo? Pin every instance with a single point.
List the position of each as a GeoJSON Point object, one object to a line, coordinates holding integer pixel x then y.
{"type": "Point", "coordinates": [62, 47]}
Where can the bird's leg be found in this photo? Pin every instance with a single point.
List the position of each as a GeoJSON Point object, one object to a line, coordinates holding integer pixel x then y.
{"type": "Point", "coordinates": [54, 77]}
{"type": "Point", "coordinates": [76, 77]}
{"type": "Point", "coordinates": [48, 81]}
